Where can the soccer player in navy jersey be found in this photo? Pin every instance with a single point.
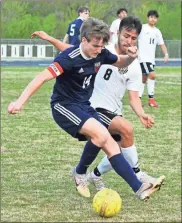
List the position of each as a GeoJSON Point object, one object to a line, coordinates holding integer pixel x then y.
{"type": "Point", "coordinates": [73, 33]}
{"type": "Point", "coordinates": [75, 70]}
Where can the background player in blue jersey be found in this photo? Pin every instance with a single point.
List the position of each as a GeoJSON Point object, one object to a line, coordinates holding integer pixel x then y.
{"type": "Point", "coordinates": [75, 70]}
{"type": "Point", "coordinates": [73, 33]}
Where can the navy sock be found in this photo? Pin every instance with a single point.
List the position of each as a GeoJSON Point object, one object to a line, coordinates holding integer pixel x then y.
{"type": "Point", "coordinates": [88, 156]}
{"type": "Point", "coordinates": [122, 167]}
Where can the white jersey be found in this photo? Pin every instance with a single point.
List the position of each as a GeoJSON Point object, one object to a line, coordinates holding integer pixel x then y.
{"type": "Point", "coordinates": [111, 83]}
{"type": "Point", "coordinates": [114, 28]}
{"type": "Point", "coordinates": [147, 41]}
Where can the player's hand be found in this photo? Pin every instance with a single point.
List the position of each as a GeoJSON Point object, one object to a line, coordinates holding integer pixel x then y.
{"type": "Point", "coordinates": [132, 51]}
{"type": "Point", "coordinates": [14, 108]}
{"type": "Point", "coordinates": [166, 58]}
{"type": "Point", "coordinates": [147, 120]}
{"type": "Point", "coordinates": [41, 34]}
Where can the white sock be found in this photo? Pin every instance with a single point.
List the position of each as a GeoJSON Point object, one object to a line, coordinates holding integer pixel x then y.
{"type": "Point", "coordinates": [104, 165]}
{"type": "Point", "coordinates": [131, 155]}
{"type": "Point", "coordinates": [151, 86]}
{"type": "Point", "coordinates": [142, 88]}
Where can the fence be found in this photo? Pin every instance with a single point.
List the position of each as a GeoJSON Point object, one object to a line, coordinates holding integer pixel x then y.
{"type": "Point", "coordinates": [41, 49]}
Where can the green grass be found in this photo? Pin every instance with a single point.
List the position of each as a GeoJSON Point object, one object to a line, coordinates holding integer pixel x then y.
{"type": "Point", "coordinates": [37, 157]}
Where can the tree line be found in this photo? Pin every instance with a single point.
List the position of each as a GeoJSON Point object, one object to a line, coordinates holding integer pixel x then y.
{"type": "Point", "coordinates": [19, 18]}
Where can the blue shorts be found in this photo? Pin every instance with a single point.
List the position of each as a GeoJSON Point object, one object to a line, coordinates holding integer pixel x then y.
{"type": "Point", "coordinates": [71, 117]}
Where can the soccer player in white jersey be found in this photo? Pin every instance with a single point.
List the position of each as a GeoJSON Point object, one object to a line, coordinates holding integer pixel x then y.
{"type": "Point", "coordinates": [149, 38]}
{"type": "Point", "coordinates": [114, 28]}
{"type": "Point", "coordinates": [109, 89]}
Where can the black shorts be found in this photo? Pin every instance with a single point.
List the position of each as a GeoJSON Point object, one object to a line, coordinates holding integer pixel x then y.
{"type": "Point", "coordinates": [147, 68]}
{"type": "Point", "coordinates": [106, 118]}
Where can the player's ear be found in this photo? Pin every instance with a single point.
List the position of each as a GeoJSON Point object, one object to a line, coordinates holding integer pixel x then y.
{"type": "Point", "coordinates": [84, 39]}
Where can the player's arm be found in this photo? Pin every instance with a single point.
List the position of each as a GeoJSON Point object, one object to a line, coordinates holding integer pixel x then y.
{"type": "Point", "coordinates": [165, 52]}
{"type": "Point", "coordinates": [126, 60]}
{"type": "Point", "coordinates": [66, 38]}
{"type": "Point", "coordinates": [136, 105]}
{"type": "Point", "coordinates": [32, 87]}
{"type": "Point", "coordinates": [55, 42]}
{"type": "Point", "coordinates": [160, 42]}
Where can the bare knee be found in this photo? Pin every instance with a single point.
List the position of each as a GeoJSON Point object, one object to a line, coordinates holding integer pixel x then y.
{"type": "Point", "coordinates": [127, 130]}
{"type": "Point", "coordinates": [101, 139]}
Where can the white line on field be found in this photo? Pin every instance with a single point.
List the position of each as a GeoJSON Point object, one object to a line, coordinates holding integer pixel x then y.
{"type": "Point", "coordinates": [169, 82]}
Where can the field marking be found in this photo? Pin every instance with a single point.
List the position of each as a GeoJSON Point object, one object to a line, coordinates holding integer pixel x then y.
{"type": "Point", "coordinates": [168, 75]}
{"type": "Point", "coordinates": [169, 82]}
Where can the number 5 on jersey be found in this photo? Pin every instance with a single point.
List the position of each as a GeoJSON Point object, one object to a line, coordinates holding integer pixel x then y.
{"type": "Point", "coordinates": [86, 81]}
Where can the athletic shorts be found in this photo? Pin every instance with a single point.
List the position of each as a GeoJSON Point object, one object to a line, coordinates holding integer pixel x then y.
{"type": "Point", "coordinates": [147, 68]}
{"type": "Point", "coordinates": [71, 117]}
{"type": "Point", "coordinates": [106, 117]}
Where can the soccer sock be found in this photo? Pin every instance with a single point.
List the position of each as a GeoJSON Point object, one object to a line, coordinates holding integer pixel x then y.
{"type": "Point", "coordinates": [88, 156]}
{"type": "Point", "coordinates": [150, 86]}
{"type": "Point", "coordinates": [122, 168]}
{"type": "Point", "coordinates": [97, 172]}
{"type": "Point", "coordinates": [131, 155]}
{"type": "Point", "coordinates": [104, 165]}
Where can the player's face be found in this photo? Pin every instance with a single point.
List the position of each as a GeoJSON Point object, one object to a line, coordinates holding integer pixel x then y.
{"type": "Point", "coordinates": [152, 20]}
{"type": "Point", "coordinates": [84, 15]}
{"type": "Point", "coordinates": [93, 48]}
{"type": "Point", "coordinates": [122, 14]}
{"type": "Point", "coordinates": [127, 38]}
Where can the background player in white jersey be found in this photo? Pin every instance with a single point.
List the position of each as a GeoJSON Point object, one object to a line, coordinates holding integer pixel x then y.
{"type": "Point", "coordinates": [114, 28]}
{"type": "Point", "coordinates": [149, 38]}
{"type": "Point", "coordinates": [109, 89]}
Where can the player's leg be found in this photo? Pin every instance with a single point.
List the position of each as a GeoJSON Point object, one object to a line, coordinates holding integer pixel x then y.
{"type": "Point", "coordinates": [145, 73]}
{"type": "Point", "coordinates": [151, 88]}
{"type": "Point", "coordinates": [73, 119]}
{"type": "Point", "coordinates": [117, 160]}
{"type": "Point", "coordinates": [124, 128]}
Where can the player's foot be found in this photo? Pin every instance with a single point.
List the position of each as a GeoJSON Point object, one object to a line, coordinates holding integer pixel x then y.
{"type": "Point", "coordinates": [146, 190]}
{"type": "Point", "coordinates": [152, 103]}
{"type": "Point", "coordinates": [81, 183]}
{"type": "Point", "coordinates": [96, 181]}
{"type": "Point", "coordinates": [145, 178]}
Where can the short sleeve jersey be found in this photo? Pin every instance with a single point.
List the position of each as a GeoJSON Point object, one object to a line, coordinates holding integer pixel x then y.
{"type": "Point", "coordinates": [112, 82]}
{"type": "Point", "coordinates": [114, 28]}
{"type": "Point", "coordinates": [148, 39]}
{"type": "Point", "coordinates": [75, 74]}
{"type": "Point", "coordinates": [74, 31]}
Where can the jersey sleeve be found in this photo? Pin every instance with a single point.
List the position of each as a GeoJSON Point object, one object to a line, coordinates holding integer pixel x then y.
{"type": "Point", "coordinates": [113, 27]}
{"type": "Point", "coordinates": [160, 40]}
{"type": "Point", "coordinates": [109, 57]}
{"type": "Point", "coordinates": [62, 63]}
{"type": "Point", "coordinates": [135, 80]}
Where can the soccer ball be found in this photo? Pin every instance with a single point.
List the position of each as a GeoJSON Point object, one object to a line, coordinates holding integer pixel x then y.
{"type": "Point", "coordinates": [107, 203]}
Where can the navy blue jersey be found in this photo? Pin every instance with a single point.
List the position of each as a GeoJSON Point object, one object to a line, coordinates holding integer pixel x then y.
{"type": "Point", "coordinates": [74, 31]}
{"type": "Point", "coordinates": [75, 75]}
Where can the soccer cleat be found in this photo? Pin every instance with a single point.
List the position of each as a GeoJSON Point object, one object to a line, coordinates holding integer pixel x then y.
{"type": "Point", "coordinates": [145, 178]}
{"type": "Point", "coordinates": [146, 190]}
{"type": "Point", "coordinates": [96, 181]}
{"type": "Point", "coordinates": [152, 103]}
{"type": "Point", "coordinates": [81, 183]}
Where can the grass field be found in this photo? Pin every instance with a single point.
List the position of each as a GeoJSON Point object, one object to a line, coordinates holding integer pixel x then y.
{"type": "Point", "coordinates": [36, 158]}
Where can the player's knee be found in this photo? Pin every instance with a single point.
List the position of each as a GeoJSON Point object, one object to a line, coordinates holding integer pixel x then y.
{"type": "Point", "coordinates": [127, 130]}
{"type": "Point", "coordinates": [102, 138]}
